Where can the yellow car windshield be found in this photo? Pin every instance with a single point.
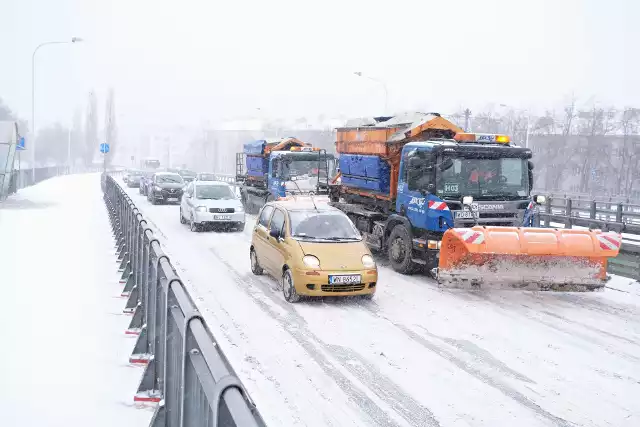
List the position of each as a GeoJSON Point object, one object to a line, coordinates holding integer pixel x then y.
{"type": "Point", "coordinates": [325, 225]}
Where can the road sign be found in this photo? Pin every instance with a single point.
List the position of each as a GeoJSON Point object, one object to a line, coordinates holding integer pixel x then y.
{"type": "Point", "coordinates": [20, 145]}
{"type": "Point", "coordinates": [104, 148]}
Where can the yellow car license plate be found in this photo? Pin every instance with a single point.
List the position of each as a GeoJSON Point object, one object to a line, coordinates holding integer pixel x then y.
{"type": "Point", "coordinates": [345, 279]}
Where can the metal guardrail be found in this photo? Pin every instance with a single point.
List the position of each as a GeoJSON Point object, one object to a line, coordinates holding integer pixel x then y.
{"type": "Point", "coordinates": [620, 217]}
{"type": "Point", "coordinates": [186, 371]}
{"type": "Point", "coordinates": [604, 215]}
{"type": "Point", "coordinates": [25, 177]}
{"type": "Point", "coordinates": [560, 194]}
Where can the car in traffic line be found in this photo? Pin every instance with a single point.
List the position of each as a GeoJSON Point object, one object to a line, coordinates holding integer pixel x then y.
{"type": "Point", "coordinates": [210, 204]}
{"type": "Point", "coordinates": [187, 175]}
{"type": "Point", "coordinates": [314, 250]}
{"type": "Point", "coordinates": [133, 178]}
{"type": "Point", "coordinates": [205, 176]}
{"type": "Point", "coordinates": [165, 187]}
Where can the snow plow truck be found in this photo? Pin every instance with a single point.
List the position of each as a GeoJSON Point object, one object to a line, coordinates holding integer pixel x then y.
{"type": "Point", "coordinates": [273, 169]}
{"type": "Point", "coordinates": [459, 207]}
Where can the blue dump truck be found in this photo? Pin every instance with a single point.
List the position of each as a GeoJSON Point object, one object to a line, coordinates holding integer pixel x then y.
{"type": "Point", "coordinates": [270, 169]}
{"type": "Point", "coordinates": [458, 206]}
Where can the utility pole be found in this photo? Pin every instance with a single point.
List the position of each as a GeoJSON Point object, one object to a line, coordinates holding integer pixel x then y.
{"type": "Point", "coordinates": [467, 119]}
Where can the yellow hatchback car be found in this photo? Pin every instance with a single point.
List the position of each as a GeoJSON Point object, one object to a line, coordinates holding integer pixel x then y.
{"type": "Point", "coordinates": [314, 250]}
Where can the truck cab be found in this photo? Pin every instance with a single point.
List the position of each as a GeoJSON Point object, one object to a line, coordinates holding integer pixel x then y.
{"type": "Point", "coordinates": [272, 169]}
{"type": "Point", "coordinates": [437, 177]}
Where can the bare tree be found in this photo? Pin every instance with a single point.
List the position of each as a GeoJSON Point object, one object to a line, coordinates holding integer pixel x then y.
{"type": "Point", "coordinates": [91, 130]}
{"type": "Point", "coordinates": [630, 150]}
{"type": "Point", "coordinates": [593, 124]}
{"type": "Point", "coordinates": [110, 127]}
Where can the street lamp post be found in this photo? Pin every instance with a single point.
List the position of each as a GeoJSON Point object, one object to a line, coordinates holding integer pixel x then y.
{"type": "Point", "coordinates": [384, 86]}
{"type": "Point", "coordinates": [33, 98]}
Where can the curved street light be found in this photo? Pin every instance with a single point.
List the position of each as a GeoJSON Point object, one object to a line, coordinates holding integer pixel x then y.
{"type": "Point", "coordinates": [384, 86]}
{"type": "Point", "coordinates": [33, 96]}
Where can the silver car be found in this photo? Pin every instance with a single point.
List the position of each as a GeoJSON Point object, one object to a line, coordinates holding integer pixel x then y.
{"type": "Point", "coordinates": [210, 204]}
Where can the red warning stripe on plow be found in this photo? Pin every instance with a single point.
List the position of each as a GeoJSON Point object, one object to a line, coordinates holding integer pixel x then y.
{"type": "Point", "coordinates": [471, 236]}
{"type": "Point", "coordinates": [610, 241]}
{"type": "Point", "coordinates": [438, 206]}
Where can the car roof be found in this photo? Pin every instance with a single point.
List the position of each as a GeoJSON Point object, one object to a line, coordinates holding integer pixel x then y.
{"type": "Point", "coordinates": [167, 173]}
{"type": "Point", "coordinates": [212, 183]}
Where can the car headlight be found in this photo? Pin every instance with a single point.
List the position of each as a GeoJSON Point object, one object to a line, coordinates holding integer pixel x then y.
{"type": "Point", "coordinates": [467, 200]}
{"type": "Point", "coordinates": [240, 209]}
{"type": "Point", "coordinates": [367, 261]}
{"type": "Point", "coordinates": [157, 188]}
{"type": "Point", "coordinates": [201, 209]}
{"type": "Point", "coordinates": [311, 261]}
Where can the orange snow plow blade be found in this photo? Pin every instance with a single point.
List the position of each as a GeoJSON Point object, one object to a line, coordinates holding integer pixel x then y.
{"type": "Point", "coordinates": [526, 258]}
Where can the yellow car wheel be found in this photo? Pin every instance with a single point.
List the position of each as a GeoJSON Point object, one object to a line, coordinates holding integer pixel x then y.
{"type": "Point", "coordinates": [288, 288]}
{"type": "Point", "coordinates": [255, 266]}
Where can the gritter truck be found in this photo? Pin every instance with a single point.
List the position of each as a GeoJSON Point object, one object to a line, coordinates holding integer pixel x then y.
{"type": "Point", "coordinates": [458, 206]}
{"type": "Point", "coordinates": [272, 169]}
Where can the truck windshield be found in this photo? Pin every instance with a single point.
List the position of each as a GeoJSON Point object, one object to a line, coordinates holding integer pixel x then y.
{"type": "Point", "coordinates": [153, 164]}
{"type": "Point", "coordinates": [502, 178]}
{"type": "Point", "coordinates": [308, 165]}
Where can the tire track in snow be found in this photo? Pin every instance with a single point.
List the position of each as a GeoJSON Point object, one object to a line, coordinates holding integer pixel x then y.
{"type": "Point", "coordinates": [559, 327]}
{"type": "Point", "coordinates": [482, 376]}
{"type": "Point", "coordinates": [487, 379]}
{"type": "Point", "coordinates": [407, 407]}
{"type": "Point", "coordinates": [593, 328]}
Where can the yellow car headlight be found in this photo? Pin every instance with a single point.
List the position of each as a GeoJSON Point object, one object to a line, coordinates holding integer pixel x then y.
{"type": "Point", "coordinates": [368, 261]}
{"type": "Point", "coordinates": [311, 261]}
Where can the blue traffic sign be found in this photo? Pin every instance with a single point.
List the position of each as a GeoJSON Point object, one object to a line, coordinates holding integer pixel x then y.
{"type": "Point", "coordinates": [20, 145]}
{"type": "Point", "coordinates": [104, 148]}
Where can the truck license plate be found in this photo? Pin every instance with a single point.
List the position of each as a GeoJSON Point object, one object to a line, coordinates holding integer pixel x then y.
{"type": "Point", "coordinates": [172, 199]}
{"type": "Point", "coordinates": [222, 217]}
{"type": "Point", "coordinates": [464, 214]}
{"type": "Point", "coordinates": [345, 279]}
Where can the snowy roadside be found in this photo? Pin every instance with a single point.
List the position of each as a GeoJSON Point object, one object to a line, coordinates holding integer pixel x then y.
{"type": "Point", "coordinates": [64, 353]}
{"type": "Point", "coordinates": [416, 355]}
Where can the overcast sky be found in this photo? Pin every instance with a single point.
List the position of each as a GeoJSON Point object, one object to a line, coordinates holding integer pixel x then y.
{"type": "Point", "coordinates": [189, 61]}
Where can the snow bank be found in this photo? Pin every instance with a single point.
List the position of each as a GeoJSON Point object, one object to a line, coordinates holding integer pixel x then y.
{"type": "Point", "coordinates": [64, 352]}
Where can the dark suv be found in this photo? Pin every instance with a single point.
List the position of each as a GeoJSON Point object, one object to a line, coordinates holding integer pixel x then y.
{"type": "Point", "coordinates": [165, 187]}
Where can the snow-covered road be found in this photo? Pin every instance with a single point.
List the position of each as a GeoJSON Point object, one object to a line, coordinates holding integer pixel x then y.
{"type": "Point", "coordinates": [416, 355]}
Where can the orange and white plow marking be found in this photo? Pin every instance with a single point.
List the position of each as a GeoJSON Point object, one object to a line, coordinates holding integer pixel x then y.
{"type": "Point", "coordinates": [526, 258]}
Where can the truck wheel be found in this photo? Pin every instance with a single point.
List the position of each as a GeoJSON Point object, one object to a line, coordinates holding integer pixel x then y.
{"type": "Point", "coordinates": [400, 251]}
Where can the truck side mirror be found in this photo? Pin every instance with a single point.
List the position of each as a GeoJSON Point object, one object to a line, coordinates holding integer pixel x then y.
{"type": "Point", "coordinates": [414, 163]}
{"type": "Point", "coordinates": [446, 164]}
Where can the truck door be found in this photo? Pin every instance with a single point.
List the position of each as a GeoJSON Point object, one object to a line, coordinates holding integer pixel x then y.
{"type": "Point", "coordinates": [275, 184]}
{"type": "Point", "coordinates": [416, 181]}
